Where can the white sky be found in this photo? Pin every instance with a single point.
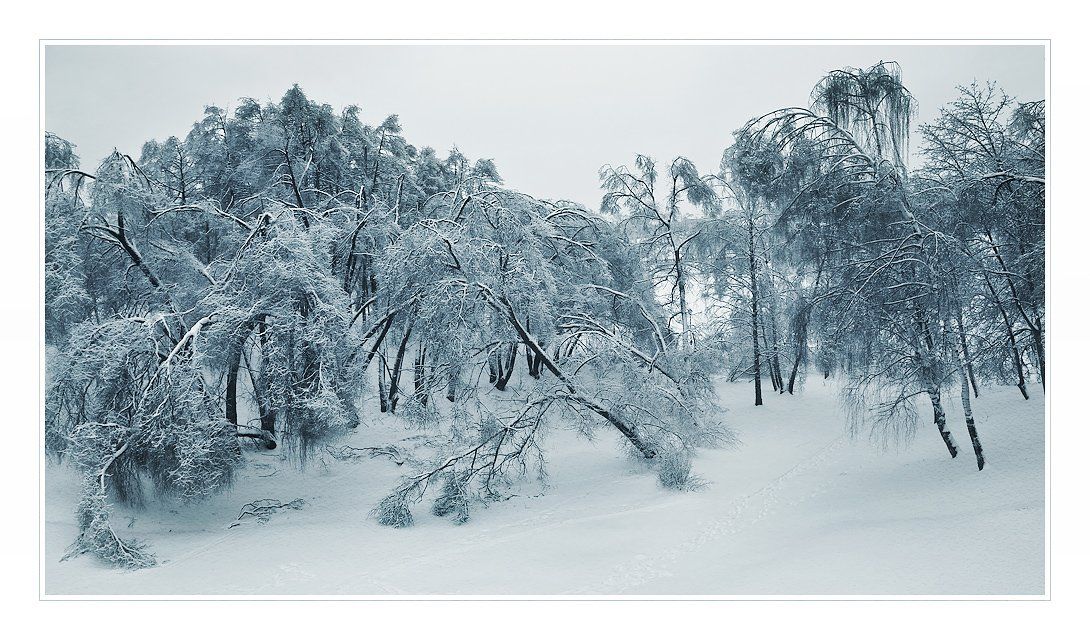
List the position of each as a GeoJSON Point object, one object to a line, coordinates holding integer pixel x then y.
{"type": "Point", "coordinates": [550, 116]}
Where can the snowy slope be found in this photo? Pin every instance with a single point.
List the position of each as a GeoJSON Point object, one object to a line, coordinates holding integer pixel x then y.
{"type": "Point", "coordinates": [798, 508]}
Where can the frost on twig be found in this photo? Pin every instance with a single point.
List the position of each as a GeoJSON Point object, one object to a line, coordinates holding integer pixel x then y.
{"type": "Point", "coordinates": [453, 499]}
{"type": "Point", "coordinates": [354, 454]}
{"type": "Point", "coordinates": [676, 471]}
{"type": "Point", "coordinates": [501, 450]}
{"type": "Point", "coordinates": [393, 511]}
{"type": "Point", "coordinates": [263, 510]}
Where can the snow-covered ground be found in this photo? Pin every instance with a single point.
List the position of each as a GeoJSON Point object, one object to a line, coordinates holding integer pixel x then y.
{"type": "Point", "coordinates": [798, 508]}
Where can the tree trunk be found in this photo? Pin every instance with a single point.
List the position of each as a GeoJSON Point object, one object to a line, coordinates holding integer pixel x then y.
{"type": "Point", "coordinates": [505, 372]}
{"type": "Point", "coordinates": [940, 421]}
{"type": "Point", "coordinates": [794, 372]}
{"type": "Point", "coordinates": [383, 401]}
{"type": "Point", "coordinates": [234, 360]}
{"type": "Point", "coordinates": [970, 423]}
{"type": "Point", "coordinates": [1039, 351]}
{"type": "Point", "coordinates": [1012, 342]}
{"type": "Point", "coordinates": [503, 305]}
{"type": "Point", "coordinates": [493, 365]}
{"type": "Point", "coordinates": [925, 353]}
{"type": "Point", "coordinates": [378, 341]}
{"type": "Point", "coordinates": [1034, 325]}
{"type": "Point", "coordinates": [772, 315]}
{"type": "Point", "coordinates": [420, 384]}
{"type": "Point", "coordinates": [265, 413]}
{"type": "Point", "coordinates": [757, 401]}
{"type": "Point", "coordinates": [452, 381]}
{"type": "Point", "coordinates": [772, 360]}
{"type": "Point", "coordinates": [685, 339]}
{"type": "Point", "coordinates": [395, 375]}
{"type": "Point", "coordinates": [965, 352]}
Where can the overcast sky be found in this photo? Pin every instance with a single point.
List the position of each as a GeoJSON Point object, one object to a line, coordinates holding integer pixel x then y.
{"type": "Point", "coordinates": [550, 116]}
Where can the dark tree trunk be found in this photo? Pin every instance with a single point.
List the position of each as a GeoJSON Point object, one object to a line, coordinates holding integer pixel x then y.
{"type": "Point", "coordinates": [452, 381]}
{"type": "Point", "coordinates": [383, 398]}
{"type": "Point", "coordinates": [800, 331]}
{"type": "Point", "coordinates": [378, 341]}
{"type": "Point", "coordinates": [753, 294]}
{"type": "Point", "coordinates": [533, 363]}
{"type": "Point", "coordinates": [1012, 342]}
{"type": "Point", "coordinates": [234, 360]}
{"type": "Point", "coordinates": [1034, 324]}
{"type": "Point", "coordinates": [505, 372]}
{"type": "Point", "coordinates": [772, 360]}
{"type": "Point", "coordinates": [1039, 351]}
{"type": "Point", "coordinates": [493, 366]}
{"type": "Point", "coordinates": [535, 369]}
{"type": "Point", "coordinates": [572, 344]}
{"type": "Point", "coordinates": [777, 370]}
{"type": "Point", "coordinates": [395, 375]}
{"type": "Point", "coordinates": [794, 373]}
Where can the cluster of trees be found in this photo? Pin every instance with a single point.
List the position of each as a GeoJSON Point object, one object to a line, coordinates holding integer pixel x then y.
{"type": "Point", "coordinates": [285, 269]}
{"type": "Point", "coordinates": [815, 248]}
{"type": "Point", "coordinates": [908, 283]}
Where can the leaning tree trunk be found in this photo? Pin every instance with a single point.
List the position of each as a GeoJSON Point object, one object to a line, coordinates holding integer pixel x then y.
{"type": "Point", "coordinates": [800, 331]}
{"type": "Point", "coordinates": [963, 340]}
{"type": "Point", "coordinates": [1012, 342]}
{"type": "Point", "coordinates": [970, 422]}
{"type": "Point", "coordinates": [776, 370]}
{"type": "Point", "coordinates": [928, 368]}
{"type": "Point", "coordinates": [794, 372]}
{"type": "Point", "coordinates": [1039, 350]}
{"type": "Point", "coordinates": [379, 341]}
{"type": "Point", "coordinates": [1034, 325]}
{"type": "Point", "coordinates": [503, 305]}
{"type": "Point", "coordinates": [935, 395]}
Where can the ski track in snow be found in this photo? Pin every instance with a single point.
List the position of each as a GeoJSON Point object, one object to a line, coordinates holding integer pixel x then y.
{"type": "Point", "coordinates": [542, 519]}
{"type": "Point", "coordinates": [744, 512]}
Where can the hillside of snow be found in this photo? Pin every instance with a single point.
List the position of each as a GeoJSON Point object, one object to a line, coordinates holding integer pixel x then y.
{"type": "Point", "coordinates": [797, 508]}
